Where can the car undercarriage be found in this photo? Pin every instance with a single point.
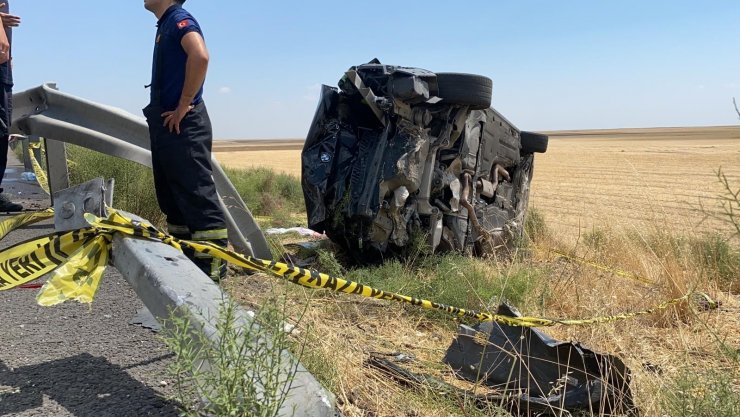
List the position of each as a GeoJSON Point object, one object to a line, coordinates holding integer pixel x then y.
{"type": "Point", "coordinates": [396, 155]}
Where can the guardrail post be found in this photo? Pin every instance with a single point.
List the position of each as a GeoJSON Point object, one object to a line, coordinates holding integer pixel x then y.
{"type": "Point", "coordinates": [27, 166]}
{"type": "Point", "coordinates": [36, 151]}
{"type": "Point", "coordinates": [56, 166]}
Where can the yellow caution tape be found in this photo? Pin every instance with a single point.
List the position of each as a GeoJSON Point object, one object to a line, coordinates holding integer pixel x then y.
{"type": "Point", "coordinates": [701, 298]}
{"type": "Point", "coordinates": [40, 174]}
{"type": "Point", "coordinates": [12, 223]}
{"type": "Point", "coordinates": [30, 260]}
{"type": "Point", "coordinates": [614, 271]}
{"type": "Point", "coordinates": [78, 278]}
{"type": "Point", "coordinates": [84, 256]}
{"type": "Point", "coordinates": [315, 280]}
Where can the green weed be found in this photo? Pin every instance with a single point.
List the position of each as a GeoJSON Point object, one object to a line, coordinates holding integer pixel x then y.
{"type": "Point", "coordinates": [705, 393]}
{"type": "Point", "coordinates": [596, 239]}
{"type": "Point", "coordinates": [719, 259]}
{"type": "Point", "coordinates": [328, 263]}
{"type": "Point", "coordinates": [535, 227]}
{"type": "Point", "coordinates": [267, 192]}
{"type": "Point", "coordinates": [246, 372]}
{"type": "Point", "coordinates": [455, 280]}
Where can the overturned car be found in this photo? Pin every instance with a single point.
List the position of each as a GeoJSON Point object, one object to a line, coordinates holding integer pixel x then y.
{"type": "Point", "coordinates": [397, 153]}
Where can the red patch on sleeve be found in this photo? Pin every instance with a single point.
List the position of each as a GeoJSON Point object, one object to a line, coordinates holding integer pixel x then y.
{"type": "Point", "coordinates": [183, 24]}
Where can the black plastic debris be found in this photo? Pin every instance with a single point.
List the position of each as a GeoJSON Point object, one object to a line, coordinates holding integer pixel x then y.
{"type": "Point", "coordinates": [542, 375]}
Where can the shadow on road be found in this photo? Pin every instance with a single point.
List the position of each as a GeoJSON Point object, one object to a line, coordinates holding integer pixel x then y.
{"type": "Point", "coordinates": [84, 385]}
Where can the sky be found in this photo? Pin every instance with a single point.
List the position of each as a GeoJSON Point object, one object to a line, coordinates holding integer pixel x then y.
{"type": "Point", "coordinates": [555, 65]}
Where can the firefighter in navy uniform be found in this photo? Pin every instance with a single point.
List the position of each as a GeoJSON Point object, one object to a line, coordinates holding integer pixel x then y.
{"type": "Point", "coordinates": [181, 135]}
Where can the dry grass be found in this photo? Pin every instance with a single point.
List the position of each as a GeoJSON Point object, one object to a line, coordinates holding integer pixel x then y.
{"type": "Point", "coordinates": [628, 200]}
{"type": "Point", "coordinates": [634, 179]}
{"type": "Point", "coordinates": [340, 332]}
{"type": "Point", "coordinates": [283, 161]}
{"type": "Point", "coordinates": [282, 156]}
{"type": "Point", "coordinates": [660, 347]}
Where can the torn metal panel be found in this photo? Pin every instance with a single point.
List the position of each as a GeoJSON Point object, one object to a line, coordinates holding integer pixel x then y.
{"type": "Point", "coordinates": [541, 372]}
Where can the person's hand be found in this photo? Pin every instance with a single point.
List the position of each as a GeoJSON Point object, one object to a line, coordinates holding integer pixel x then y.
{"type": "Point", "coordinates": [173, 118]}
{"type": "Point", "coordinates": [9, 20]}
{"type": "Point", "coordinates": [4, 48]}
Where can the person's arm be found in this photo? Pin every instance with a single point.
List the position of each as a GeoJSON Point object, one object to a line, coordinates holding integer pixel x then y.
{"type": "Point", "coordinates": [196, 68]}
{"type": "Point", "coordinates": [9, 20]}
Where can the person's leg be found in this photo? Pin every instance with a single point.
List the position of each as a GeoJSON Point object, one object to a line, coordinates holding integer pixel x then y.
{"type": "Point", "coordinates": [3, 157]}
{"type": "Point", "coordinates": [159, 139]}
{"type": "Point", "coordinates": [209, 226]}
{"type": "Point", "coordinates": [161, 172]}
{"type": "Point", "coordinates": [192, 188]}
{"type": "Point", "coordinates": [176, 225]}
{"type": "Point", "coordinates": [6, 110]}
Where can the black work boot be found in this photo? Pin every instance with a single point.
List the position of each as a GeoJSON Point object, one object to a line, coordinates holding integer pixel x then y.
{"type": "Point", "coordinates": [8, 206]}
{"type": "Point", "coordinates": [182, 233]}
{"type": "Point", "coordinates": [214, 267]}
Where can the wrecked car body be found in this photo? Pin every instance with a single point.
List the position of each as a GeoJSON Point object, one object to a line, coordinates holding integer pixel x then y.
{"type": "Point", "coordinates": [398, 152]}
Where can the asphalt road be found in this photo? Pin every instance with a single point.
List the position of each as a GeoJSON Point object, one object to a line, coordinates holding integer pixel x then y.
{"type": "Point", "coordinates": [75, 359]}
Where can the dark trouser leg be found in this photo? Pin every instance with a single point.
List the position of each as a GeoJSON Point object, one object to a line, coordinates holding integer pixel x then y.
{"type": "Point", "coordinates": [181, 232]}
{"type": "Point", "coordinates": [6, 112]}
{"type": "Point", "coordinates": [6, 205]}
{"type": "Point", "coordinates": [185, 188]}
{"type": "Point", "coordinates": [175, 220]}
{"type": "Point", "coordinates": [3, 157]}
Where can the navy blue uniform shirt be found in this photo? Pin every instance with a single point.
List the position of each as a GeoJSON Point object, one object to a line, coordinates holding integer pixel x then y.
{"type": "Point", "coordinates": [168, 68]}
{"type": "Point", "coordinates": [6, 72]}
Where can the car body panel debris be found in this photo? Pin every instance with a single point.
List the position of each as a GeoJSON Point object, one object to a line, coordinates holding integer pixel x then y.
{"type": "Point", "coordinates": [543, 375]}
{"type": "Point", "coordinates": [398, 152]}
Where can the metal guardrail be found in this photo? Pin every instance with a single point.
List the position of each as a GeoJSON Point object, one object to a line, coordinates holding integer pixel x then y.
{"type": "Point", "coordinates": [164, 279]}
{"type": "Point", "coordinates": [46, 112]}
{"type": "Point", "coordinates": [167, 282]}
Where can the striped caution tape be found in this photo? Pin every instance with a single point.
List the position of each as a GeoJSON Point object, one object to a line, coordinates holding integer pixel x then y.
{"type": "Point", "coordinates": [700, 298]}
{"type": "Point", "coordinates": [78, 278]}
{"type": "Point", "coordinates": [79, 259]}
{"type": "Point", "coordinates": [40, 174]}
{"type": "Point", "coordinates": [32, 259]}
{"type": "Point", "coordinates": [12, 223]}
{"type": "Point", "coordinates": [316, 280]}
{"type": "Point", "coordinates": [605, 268]}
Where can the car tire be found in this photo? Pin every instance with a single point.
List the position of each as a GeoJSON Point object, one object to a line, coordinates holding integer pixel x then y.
{"type": "Point", "coordinates": [534, 142]}
{"type": "Point", "coordinates": [470, 90]}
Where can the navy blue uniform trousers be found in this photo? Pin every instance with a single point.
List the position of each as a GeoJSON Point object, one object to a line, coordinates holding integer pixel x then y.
{"type": "Point", "coordinates": [6, 115]}
{"type": "Point", "coordinates": [181, 164]}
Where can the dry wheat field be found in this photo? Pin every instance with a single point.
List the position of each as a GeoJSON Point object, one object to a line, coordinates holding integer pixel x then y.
{"type": "Point", "coordinates": [640, 180]}
{"type": "Point", "coordinates": [620, 178]}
